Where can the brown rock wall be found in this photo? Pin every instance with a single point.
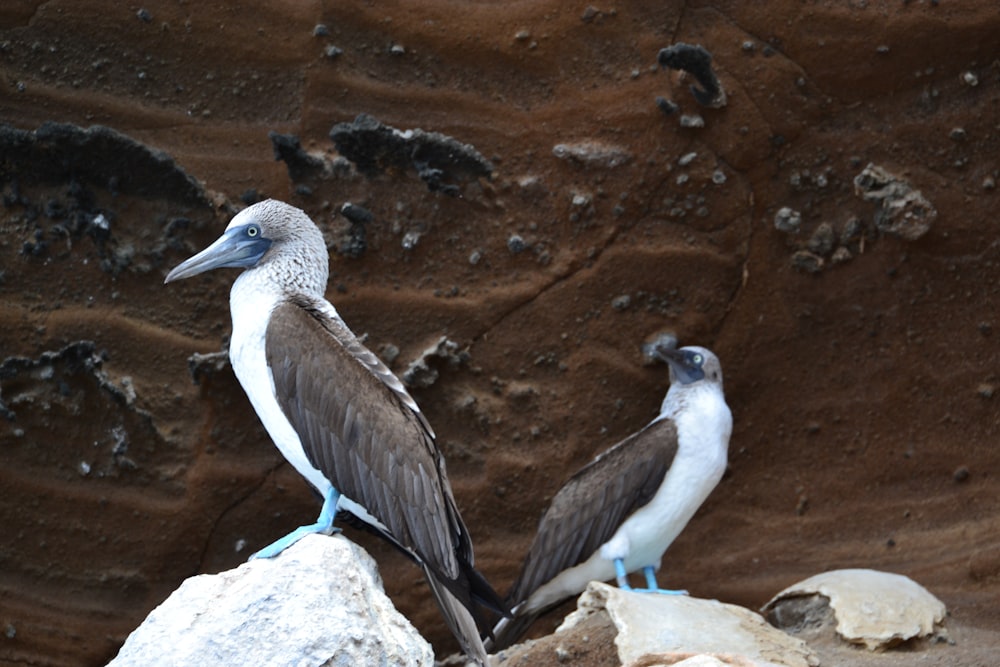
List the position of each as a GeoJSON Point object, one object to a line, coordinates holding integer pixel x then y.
{"type": "Point", "coordinates": [860, 393]}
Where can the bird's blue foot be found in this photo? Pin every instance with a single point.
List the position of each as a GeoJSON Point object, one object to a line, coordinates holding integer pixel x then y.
{"type": "Point", "coordinates": [653, 587]}
{"type": "Point", "coordinates": [621, 577]}
{"type": "Point", "coordinates": [324, 525]}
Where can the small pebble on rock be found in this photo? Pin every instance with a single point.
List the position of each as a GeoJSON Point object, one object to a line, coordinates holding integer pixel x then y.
{"type": "Point", "coordinates": [787, 220]}
{"type": "Point", "coordinates": [807, 261]}
{"type": "Point", "coordinates": [841, 255]}
{"type": "Point", "coordinates": [692, 120]}
{"type": "Point", "coordinates": [822, 240]}
{"type": "Point", "coordinates": [667, 106]}
{"type": "Point", "coordinates": [516, 244]}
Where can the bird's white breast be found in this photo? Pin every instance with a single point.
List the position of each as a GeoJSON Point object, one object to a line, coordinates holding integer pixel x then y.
{"type": "Point", "coordinates": [251, 305]}
{"type": "Point", "coordinates": [704, 424]}
{"type": "Point", "coordinates": [703, 429]}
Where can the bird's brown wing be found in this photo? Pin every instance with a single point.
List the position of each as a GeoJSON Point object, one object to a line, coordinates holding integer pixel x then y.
{"type": "Point", "coordinates": [360, 428]}
{"type": "Point", "coordinates": [590, 507]}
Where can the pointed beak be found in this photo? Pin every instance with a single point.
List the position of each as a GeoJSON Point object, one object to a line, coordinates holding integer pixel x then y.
{"type": "Point", "coordinates": [233, 249]}
{"type": "Point", "coordinates": [683, 367]}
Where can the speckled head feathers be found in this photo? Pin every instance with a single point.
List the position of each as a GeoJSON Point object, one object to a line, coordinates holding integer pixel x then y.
{"type": "Point", "coordinates": [274, 238]}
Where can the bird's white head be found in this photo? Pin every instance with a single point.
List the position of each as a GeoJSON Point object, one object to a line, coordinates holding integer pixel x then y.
{"type": "Point", "coordinates": [268, 234]}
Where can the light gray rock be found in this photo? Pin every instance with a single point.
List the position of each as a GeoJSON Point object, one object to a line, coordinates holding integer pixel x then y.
{"type": "Point", "coordinates": [421, 373]}
{"type": "Point", "coordinates": [787, 220]}
{"type": "Point", "coordinates": [877, 609]}
{"type": "Point", "coordinates": [652, 625]}
{"type": "Point", "coordinates": [593, 152]}
{"type": "Point", "coordinates": [319, 603]}
{"type": "Point", "coordinates": [903, 210]}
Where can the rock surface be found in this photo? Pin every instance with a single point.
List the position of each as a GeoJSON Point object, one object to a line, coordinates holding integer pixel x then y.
{"type": "Point", "coordinates": [320, 602]}
{"type": "Point", "coordinates": [876, 609]}
{"type": "Point", "coordinates": [653, 624]}
{"type": "Point", "coordinates": [864, 394]}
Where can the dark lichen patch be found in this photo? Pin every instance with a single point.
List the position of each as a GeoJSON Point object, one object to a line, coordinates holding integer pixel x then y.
{"type": "Point", "coordinates": [697, 61]}
{"type": "Point", "coordinates": [98, 156]}
{"type": "Point", "coordinates": [376, 148]}
{"type": "Point", "coordinates": [69, 385]}
{"type": "Point", "coordinates": [55, 223]}
{"type": "Point", "coordinates": [352, 240]}
{"type": "Point", "coordinates": [80, 357]}
{"type": "Point", "coordinates": [302, 166]}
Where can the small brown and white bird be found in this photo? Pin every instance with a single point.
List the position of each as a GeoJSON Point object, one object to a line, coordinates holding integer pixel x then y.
{"type": "Point", "coordinates": [620, 513]}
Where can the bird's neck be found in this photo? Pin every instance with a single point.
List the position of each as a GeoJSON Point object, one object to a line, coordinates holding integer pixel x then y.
{"type": "Point", "coordinates": [699, 408]}
{"type": "Point", "coordinates": [256, 293]}
{"type": "Point", "coordinates": [284, 278]}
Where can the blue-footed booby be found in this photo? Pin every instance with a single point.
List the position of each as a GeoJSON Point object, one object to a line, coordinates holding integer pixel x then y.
{"type": "Point", "coordinates": [336, 412]}
{"type": "Point", "coordinates": [619, 513]}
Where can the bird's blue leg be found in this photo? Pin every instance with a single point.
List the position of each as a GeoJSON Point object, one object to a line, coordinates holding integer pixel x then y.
{"type": "Point", "coordinates": [653, 587]}
{"type": "Point", "coordinates": [324, 525]}
{"type": "Point", "coordinates": [621, 575]}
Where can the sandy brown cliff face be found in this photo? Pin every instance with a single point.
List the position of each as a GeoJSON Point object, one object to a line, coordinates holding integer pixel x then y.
{"type": "Point", "coordinates": [863, 393]}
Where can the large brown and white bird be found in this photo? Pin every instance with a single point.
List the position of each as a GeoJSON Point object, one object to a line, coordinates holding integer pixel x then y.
{"type": "Point", "coordinates": [336, 412]}
{"type": "Point", "coordinates": [620, 513]}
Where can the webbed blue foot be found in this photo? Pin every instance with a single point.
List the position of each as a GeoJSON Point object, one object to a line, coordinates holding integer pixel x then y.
{"type": "Point", "coordinates": [653, 587]}
{"type": "Point", "coordinates": [621, 576]}
{"type": "Point", "coordinates": [324, 525]}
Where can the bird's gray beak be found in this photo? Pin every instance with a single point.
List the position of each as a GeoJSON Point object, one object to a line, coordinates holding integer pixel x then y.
{"type": "Point", "coordinates": [235, 249]}
{"type": "Point", "coordinates": [681, 363]}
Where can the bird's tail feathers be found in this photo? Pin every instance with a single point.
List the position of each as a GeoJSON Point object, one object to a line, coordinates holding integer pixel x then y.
{"type": "Point", "coordinates": [483, 594]}
{"type": "Point", "coordinates": [509, 630]}
{"type": "Point", "coordinates": [458, 617]}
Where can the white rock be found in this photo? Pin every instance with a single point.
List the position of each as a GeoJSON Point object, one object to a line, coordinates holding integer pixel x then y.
{"type": "Point", "coordinates": [320, 602]}
{"type": "Point", "coordinates": [877, 609]}
{"type": "Point", "coordinates": [651, 624]}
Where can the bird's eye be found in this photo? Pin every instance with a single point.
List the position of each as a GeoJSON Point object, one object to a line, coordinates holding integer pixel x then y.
{"type": "Point", "coordinates": [697, 359]}
{"type": "Point", "coordinates": [252, 231]}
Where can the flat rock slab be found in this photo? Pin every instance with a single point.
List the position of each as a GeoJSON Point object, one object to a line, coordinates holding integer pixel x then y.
{"type": "Point", "coordinates": [320, 602]}
{"type": "Point", "coordinates": [876, 609]}
{"type": "Point", "coordinates": [696, 660]}
{"type": "Point", "coordinates": [651, 624]}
